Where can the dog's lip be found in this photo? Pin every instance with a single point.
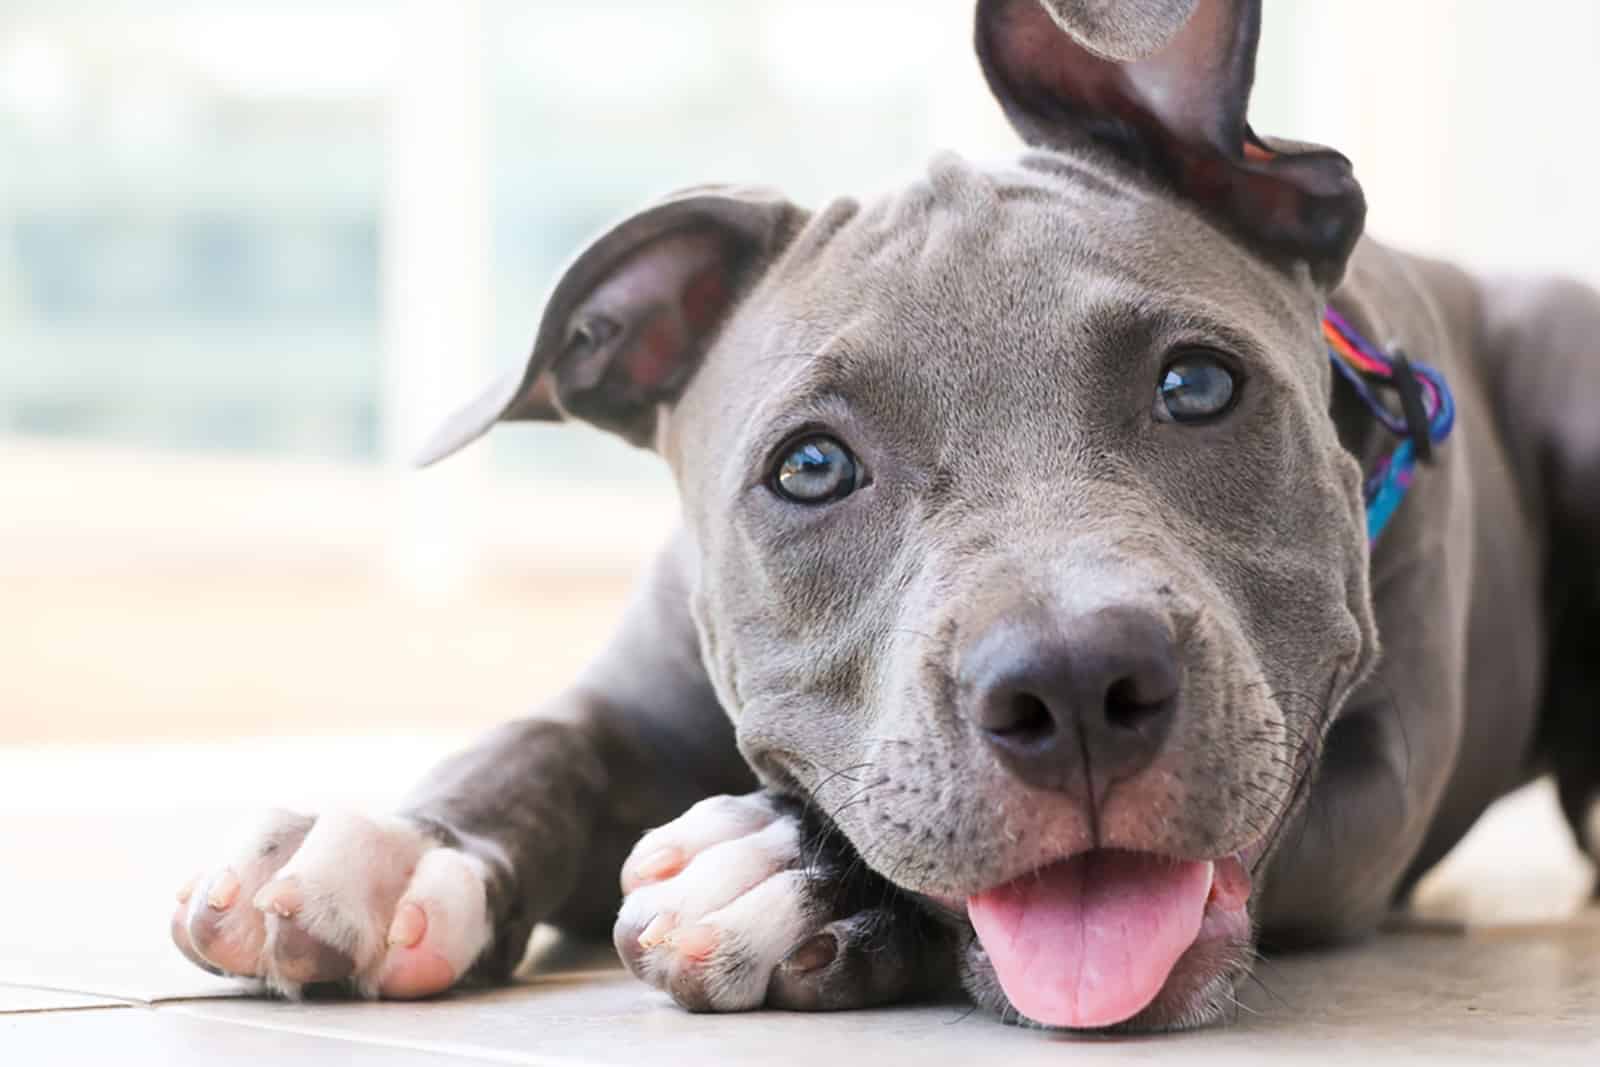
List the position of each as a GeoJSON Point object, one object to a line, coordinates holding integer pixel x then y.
{"type": "Point", "coordinates": [956, 907]}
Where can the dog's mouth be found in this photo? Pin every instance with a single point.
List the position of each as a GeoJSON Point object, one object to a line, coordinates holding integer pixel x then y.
{"type": "Point", "coordinates": [1092, 941]}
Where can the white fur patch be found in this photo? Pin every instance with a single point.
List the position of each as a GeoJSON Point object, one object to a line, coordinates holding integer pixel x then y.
{"type": "Point", "coordinates": [343, 884]}
{"type": "Point", "coordinates": [350, 872]}
{"type": "Point", "coordinates": [736, 908]}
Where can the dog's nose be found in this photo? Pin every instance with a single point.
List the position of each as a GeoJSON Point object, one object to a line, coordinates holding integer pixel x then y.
{"type": "Point", "coordinates": [1078, 702]}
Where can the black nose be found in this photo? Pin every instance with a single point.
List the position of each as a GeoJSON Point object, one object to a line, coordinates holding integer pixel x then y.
{"type": "Point", "coordinates": [1074, 703]}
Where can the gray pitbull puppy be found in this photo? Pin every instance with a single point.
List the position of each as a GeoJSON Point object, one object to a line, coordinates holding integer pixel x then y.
{"type": "Point", "coordinates": [1023, 627]}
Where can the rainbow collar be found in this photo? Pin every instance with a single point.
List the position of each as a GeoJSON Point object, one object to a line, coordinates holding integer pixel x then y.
{"type": "Point", "coordinates": [1427, 412]}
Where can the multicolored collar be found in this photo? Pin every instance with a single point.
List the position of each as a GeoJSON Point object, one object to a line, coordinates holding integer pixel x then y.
{"type": "Point", "coordinates": [1427, 412]}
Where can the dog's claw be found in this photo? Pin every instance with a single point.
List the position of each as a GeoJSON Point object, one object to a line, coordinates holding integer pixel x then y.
{"type": "Point", "coordinates": [409, 926]}
{"type": "Point", "coordinates": [282, 897]}
{"type": "Point", "coordinates": [653, 867]}
{"type": "Point", "coordinates": [224, 891]}
{"type": "Point", "coordinates": [656, 930]}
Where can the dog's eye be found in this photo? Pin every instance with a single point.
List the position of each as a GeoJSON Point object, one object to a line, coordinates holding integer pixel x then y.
{"type": "Point", "coordinates": [816, 470]}
{"type": "Point", "coordinates": [1195, 387]}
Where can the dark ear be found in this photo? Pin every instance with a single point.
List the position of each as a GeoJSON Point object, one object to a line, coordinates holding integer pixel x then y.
{"type": "Point", "coordinates": [629, 321]}
{"type": "Point", "coordinates": [1179, 114]}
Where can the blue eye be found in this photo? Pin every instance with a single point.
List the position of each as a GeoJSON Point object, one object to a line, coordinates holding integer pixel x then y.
{"type": "Point", "coordinates": [1194, 387]}
{"type": "Point", "coordinates": [817, 470]}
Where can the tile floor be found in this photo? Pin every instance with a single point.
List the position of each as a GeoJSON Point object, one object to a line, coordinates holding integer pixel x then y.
{"type": "Point", "coordinates": [1504, 961]}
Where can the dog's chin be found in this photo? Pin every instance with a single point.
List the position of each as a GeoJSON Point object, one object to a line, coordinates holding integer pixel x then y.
{"type": "Point", "coordinates": [1053, 950]}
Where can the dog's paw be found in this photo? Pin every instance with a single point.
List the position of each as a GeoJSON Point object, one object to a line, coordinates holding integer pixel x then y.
{"type": "Point", "coordinates": [726, 911]}
{"type": "Point", "coordinates": [375, 902]}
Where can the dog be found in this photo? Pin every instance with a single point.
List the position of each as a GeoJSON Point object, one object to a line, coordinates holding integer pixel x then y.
{"type": "Point", "coordinates": [1053, 622]}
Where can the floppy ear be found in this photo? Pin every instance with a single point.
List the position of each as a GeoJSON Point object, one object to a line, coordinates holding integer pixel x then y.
{"type": "Point", "coordinates": [1179, 114]}
{"type": "Point", "coordinates": [627, 324]}
{"type": "Point", "coordinates": [1121, 29]}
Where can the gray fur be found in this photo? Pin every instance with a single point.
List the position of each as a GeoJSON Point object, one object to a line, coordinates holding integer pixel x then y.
{"type": "Point", "coordinates": [1020, 404]}
{"type": "Point", "coordinates": [988, 339]}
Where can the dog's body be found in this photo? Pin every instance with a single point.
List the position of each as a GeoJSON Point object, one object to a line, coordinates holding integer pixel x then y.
{"type": "Point", "coordinates": [901, 666]}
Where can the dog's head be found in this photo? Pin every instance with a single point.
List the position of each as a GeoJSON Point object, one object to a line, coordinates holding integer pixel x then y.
{"type": "Point", "coordinates": [1026, 547]}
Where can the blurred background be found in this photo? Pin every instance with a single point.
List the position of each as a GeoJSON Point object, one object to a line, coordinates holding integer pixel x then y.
{"type": "Point", "coordinates": [250, 253]}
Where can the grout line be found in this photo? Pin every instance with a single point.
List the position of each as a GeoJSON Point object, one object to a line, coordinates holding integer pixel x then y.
{"type": "Point", "coordinates": [74, 1009]}
{"type": "Point", "coordinates": [443, 1048]}
{"type": "Point", "coordinates": [138, 1000]}
{"type": "Point", "coordinates": [119, 1001]}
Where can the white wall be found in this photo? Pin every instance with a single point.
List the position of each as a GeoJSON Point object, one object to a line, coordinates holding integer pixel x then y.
{"type": "Point", "coordinates": [1471, 122]}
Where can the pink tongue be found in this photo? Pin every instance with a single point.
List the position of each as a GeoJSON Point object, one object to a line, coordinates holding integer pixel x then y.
{"type": "Point", "coordinates": [1091, 941]}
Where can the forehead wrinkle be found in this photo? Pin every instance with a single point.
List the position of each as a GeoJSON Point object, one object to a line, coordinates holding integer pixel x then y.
{"type": "Point", "coordinates": [817, 388]}
{"type": "Point", "coordinates": [1154, 320]}
{"type": "Point", "coordinates": [1118, 310]}
{"type": "Point", "coordinates": [1049, 214]}
{"type": "Point", "coordinates": [960, 355]}
{"type": "Point", "coordinates": [821, 377]}
{"type": "Point", "coordinates": [1100, 313]}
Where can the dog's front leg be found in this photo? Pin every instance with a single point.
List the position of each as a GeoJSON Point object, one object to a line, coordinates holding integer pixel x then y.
{"type": "Point", "coordinates": [530, 825]}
